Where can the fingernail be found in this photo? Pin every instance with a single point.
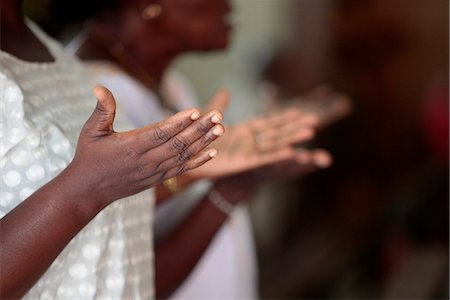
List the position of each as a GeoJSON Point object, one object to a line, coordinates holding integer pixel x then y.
{"type": "Point", "coordinates": [212, 153]}
{"type": "Point", "coordinates": [215, 119]}
{"type": "Point", "coordinates": [217, 130]}
{"type": "Point", "coordinates": [195, 116]}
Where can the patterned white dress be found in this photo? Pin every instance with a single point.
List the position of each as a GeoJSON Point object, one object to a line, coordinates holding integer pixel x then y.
{"type": "Point", "coordinates": [43, 107]}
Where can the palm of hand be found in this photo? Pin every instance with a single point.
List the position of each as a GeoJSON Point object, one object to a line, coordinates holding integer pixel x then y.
{"type": "Point", "coordinates": [239, 152]}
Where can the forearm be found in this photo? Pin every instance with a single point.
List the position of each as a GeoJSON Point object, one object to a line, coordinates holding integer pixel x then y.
{"type": "Point", "coordinates": [35, 232]}
{"type": "Point", "coordinates": [178, 254]}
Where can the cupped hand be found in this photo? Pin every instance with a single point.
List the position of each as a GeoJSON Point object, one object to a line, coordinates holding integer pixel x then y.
{"type": "Point", "coordinates": [111, 165]}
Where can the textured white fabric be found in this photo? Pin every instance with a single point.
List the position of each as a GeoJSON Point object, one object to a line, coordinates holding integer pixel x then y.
{"type": "Point", "coordinates": [227, 270]}
{"type": "Point", "coordinates": [43, 107]}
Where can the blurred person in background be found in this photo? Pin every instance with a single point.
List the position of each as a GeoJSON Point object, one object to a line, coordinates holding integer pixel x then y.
{"type": "Point", "coordinates": [130, 46]}
{"type": "Point", "coordinates": [392, 57]}
{"type": "Point", "coordinates": [62, 232]}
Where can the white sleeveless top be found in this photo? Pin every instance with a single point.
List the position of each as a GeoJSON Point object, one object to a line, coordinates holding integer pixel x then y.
{"type": "Point", "coordinates": [43, 108]}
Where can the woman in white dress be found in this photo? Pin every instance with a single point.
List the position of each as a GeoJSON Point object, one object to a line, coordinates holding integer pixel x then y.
{"type": "Point", "coordinates": [63, 235]}
{"type": "Point", "coordinates": [130, 47]}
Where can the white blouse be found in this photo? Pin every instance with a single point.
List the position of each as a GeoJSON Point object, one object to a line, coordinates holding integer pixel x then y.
{"type": "Point", "coordinates": [43, 108]}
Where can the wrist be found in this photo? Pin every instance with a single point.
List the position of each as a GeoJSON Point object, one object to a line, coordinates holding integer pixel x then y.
{"type": "Point", "coordinates": [74, 188]}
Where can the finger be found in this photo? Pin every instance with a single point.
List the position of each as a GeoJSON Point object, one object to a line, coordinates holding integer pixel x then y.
{"type": "Point", "coordinates": [191, 151]}
{"type": "Point", "coordinates": [193, 163]}
{"type": "Point", "coordinates": [313, 160]}
{"type": "Point", "coordinates": [320, 91]}
{"type": "Point", "coordinates": [286, 118]}
{"type": "Point", "coordinates": [278, 119]}
{"type": "Point", "coordinates": [220, 101]}
{"type": "Point", "coordinates": [301, 164]}
{"type": "Point", "coordinates": [274, 157]}
{"type": "Point", "coordinates": [322, 158]}
{"type": "Point", "coordinates": [188, 136]}
{"type": "Point", "coordinates": [293, 133]}
{"type": "Point", "coordinates": [102, 119]}
{"type": "Point", "coordinates": [290, 129]}
{"type": "Point", "coordinates": [298, 136]}
{"type": "Point", "coordinates": [335, 108]}
{"type": "Point", "coordinates": [154, 135]}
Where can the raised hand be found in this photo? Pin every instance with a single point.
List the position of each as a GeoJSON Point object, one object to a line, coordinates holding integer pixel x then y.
{"type": "Point", "coordinates": [239, 187]}
{"type": "Point", "coordinates": [258, 142]}
{"type": "Point", "coordinates": [328, 105]}
{"type": "Point", "coordinates": [113, 165]}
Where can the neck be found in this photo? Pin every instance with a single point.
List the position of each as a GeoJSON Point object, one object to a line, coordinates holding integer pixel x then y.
{"type": "Point", "coordinates": [148, 65]}
{"type": "Point", "coordinates": [158, 61]}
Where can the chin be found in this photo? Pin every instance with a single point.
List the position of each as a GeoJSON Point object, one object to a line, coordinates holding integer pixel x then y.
{"type": "Point", "coordinates": [216, 47]}
{"type": "Point", "coordinates": [222, 45]}
{"type": "Point", "coordinates": [215, 44]}
{"type": "Point", "coordinates": [222, 40]}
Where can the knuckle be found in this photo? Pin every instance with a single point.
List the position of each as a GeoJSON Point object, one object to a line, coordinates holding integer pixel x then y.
{"type": "Point", "coordinates": [179, 144]}
{"type": "Point", "coordinates": [181, 169]}
{"type": "Point", "coordinates": [130, 152]}
{"type": "Point", "coordinates": [162, 176]}
{"type": "Point", "coordinates": [202, 128]}
{"type": "Point", "coordinates": [140, 168]}
{"type": "Point", "coordinates": [185, 155]}
{"type": "Point", "coordinates": [103, 114]}
{"type": "Point", "coordinates": [179, 125]}
{"type": "Point", "coordinates": [158, 166]}
{"type": "Point", "coordinates": [161, 135]}
{"type": "Point", "coordinates": [207, 139]}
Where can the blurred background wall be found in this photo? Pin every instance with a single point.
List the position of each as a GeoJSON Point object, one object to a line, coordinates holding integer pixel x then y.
{"type": "Point", "coordinates": [376, 224]}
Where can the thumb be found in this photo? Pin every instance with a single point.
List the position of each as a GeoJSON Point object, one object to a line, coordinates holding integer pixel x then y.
{"type": "Point", "coordinates": [101, 120]}
{"type": "Point", "coordinates": [219, 101]}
